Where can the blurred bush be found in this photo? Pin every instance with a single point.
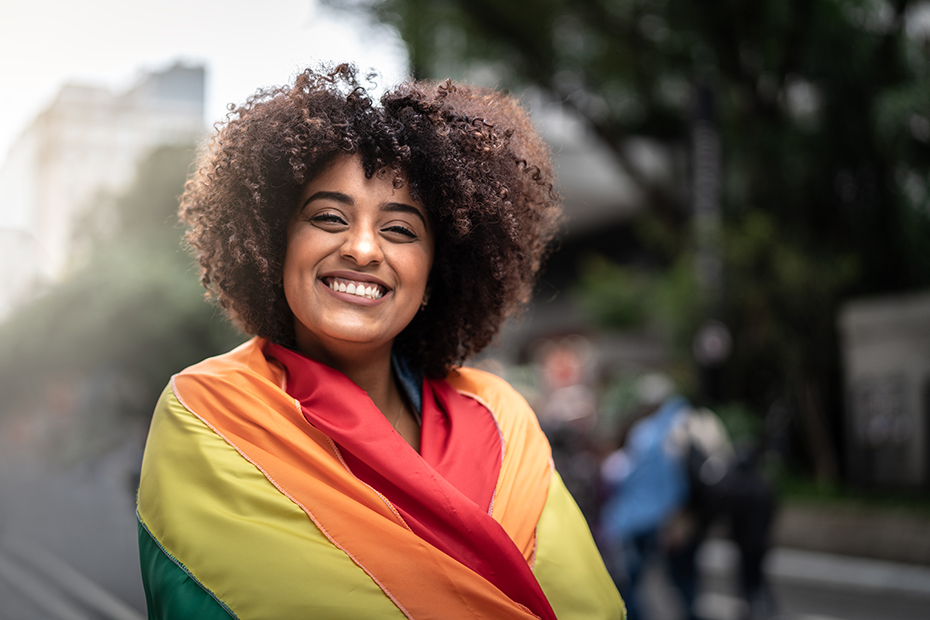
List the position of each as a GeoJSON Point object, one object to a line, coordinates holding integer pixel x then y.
{"type": "Point", "coordinates": [100, 346]}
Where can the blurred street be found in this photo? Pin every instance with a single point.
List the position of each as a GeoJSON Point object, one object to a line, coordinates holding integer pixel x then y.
{"type": "Point", "coordinates": [68, 538]}
{"type": "Point", "coordinates": [746, 196]}
{"type": "Point", "coordinates": [806, 586]}
{"type": "Point", "coordinates": [68, 552]}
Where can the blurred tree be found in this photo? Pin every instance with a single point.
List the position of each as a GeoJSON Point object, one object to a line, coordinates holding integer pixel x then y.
{"type": "Point", "coordinates": [823, 112]}
{"type": "Point", "coordinates": [103, 343]}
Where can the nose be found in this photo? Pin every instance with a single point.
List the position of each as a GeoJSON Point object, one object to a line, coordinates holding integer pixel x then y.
{"type": "Point", "coordinates": [362, 245]}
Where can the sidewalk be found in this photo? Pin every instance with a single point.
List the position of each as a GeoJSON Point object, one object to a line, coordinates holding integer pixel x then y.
{"type": "Point", "coordinates": [812, 585]}
{"type": "Point", "coordinates": [823, 570]}
{"type": "Point", "coordinates": [37, 583]}
{"type": "Point", "coordinates": [854, 530]}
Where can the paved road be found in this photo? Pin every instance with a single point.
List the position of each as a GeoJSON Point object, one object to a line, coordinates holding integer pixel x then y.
{"type": "Point", "coordinates": [68, 552]}
{"type": "Point", "coordinates": [806, 586]}
{"type": "Point", "coordinates": [68, 539]}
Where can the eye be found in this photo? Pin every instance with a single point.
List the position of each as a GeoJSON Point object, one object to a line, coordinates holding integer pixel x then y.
{"type": "Point", "coordinates": [401, 230]}
{"type": "Point", "coordinates": [328, 218]}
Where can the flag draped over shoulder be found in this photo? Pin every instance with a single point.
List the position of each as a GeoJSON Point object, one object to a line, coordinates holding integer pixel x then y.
{"type": "Point", "coordinates": [260, 499]}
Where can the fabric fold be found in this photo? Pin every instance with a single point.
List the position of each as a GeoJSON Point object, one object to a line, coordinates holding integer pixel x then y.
{"type": "Point", "coordinates": [459, 436]}
{"type": "Point", "coordinates": [234, 475]}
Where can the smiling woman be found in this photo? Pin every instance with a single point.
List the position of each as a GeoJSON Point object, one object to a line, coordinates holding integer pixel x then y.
{"type": "Point", "coordinates": [359, 253]}
{"type": "Point", "coordinates": [342, 463]}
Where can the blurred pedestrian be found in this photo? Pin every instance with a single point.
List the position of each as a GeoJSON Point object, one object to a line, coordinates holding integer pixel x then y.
{"type": "Point", "coordinates": [675, 475]}
{"type": "Point", "coordinates": [567, 410]}
{"type": "Point", "coordinates": [727, 488]}
{"type": "Point", "coordinates": [646, 484]}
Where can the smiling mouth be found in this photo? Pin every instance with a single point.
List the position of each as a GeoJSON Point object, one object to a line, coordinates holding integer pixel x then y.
{"type": "Point", "coordinates": [352, 287]}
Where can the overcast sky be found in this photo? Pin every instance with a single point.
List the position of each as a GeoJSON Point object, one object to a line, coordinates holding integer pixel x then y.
{"type": "Point", "coordinates": [244, 44]}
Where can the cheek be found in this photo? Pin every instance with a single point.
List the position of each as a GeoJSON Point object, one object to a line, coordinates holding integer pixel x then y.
{"type": "Point", "coordinates": [303, 252]}
{"type": "Point", "coordinates": [426, 259]}
{"type": "Point", "coordinates": [296, 277]}
{"type": "Point", "coordinates": [289, 277]}
{"type": "Point", "coordinates": [292, 295]}
{"type": "Point", "coordinates": [418, 268]}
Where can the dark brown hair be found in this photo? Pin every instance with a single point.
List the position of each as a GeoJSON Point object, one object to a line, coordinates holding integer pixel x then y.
{"type": "Point", "coordinates": [469, 154]}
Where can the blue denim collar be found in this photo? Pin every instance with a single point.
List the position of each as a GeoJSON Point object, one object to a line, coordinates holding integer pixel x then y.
{"type": "Point", "coordinates": [411, 381]}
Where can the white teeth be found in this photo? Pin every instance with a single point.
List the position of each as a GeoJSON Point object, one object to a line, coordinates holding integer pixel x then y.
{"type": "Point", "coordinates": [360, 290]}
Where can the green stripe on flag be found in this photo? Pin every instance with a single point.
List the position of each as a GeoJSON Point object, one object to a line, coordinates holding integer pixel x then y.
{"type": "Point", "coordinates": [180, 595]}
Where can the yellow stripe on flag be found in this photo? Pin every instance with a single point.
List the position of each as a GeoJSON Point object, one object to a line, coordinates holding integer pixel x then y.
{"type": "Point", "coordinates": [197, 487]}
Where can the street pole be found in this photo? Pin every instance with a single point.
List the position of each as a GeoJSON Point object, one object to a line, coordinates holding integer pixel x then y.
{"type": "Point", "coordinates": [712, 343]}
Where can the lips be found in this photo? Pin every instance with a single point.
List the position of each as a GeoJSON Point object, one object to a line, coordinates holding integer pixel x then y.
{"type": "Point", "coordinates": [359, 288]}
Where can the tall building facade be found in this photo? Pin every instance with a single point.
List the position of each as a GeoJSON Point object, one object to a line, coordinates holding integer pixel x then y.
{"type": "Point", "coordinates": [87, 141]}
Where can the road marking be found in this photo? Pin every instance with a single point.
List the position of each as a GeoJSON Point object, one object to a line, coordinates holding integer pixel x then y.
{"type": "Point", "coordinates": [821, 570]}
{"type": "Point", "coordinates": [43, 597]}
{"type": "Point", "coordinates": [717, 606]}
{"type": "Point", "coordinates": [81, 588]}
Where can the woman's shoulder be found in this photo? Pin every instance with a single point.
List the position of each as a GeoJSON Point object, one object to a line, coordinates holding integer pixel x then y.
{"type": "Point", "coordinates": [494, 392]}
{"type": "Point", "coordinates": [247, 359]}
{"type": "Point", "coordinates": [243, 370]}
{"type": "Point", "coordinates": [481, 382]}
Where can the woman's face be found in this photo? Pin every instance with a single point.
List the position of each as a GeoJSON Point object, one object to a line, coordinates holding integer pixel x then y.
{"type": "Point", "coordinates": [359, 254]}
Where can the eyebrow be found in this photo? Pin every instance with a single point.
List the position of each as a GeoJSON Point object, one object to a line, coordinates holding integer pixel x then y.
{"type": "Point", "coordinates": [394, 207]}
{"type": "Point", "coordinates": [402, 207]}
{"type": "Point", "coordinates": [337, 196]}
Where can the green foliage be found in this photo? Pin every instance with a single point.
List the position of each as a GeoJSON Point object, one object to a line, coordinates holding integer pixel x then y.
{"type": "Point", "coordinates": [743, 425]}
{"type": "Point", "coordinates": [818, 103]}
{"type": "Point", "coordinates": [823, 112]}
{"type": "Point", "coordinates": [786, 296]}
{"type": "Point", "coordinates": [799, 489]}
{"type": "Point", "coordinates": [612, 295]}
{"type": "Point", "coordinates": [132, 310]}
{"type": "Point", "coordinates": [679, 302]}
{"type": "Point", "coordinates": [626, 297]}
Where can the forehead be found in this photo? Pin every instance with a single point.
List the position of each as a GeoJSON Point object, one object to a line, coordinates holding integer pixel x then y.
{"type": "Point", "coordinates": [348, 171]}
{"type": "Point", "coordinates": [344, 178]}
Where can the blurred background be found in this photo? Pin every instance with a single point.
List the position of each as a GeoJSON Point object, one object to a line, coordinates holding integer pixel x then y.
{"type": "Point", "coordinates": [747, 192]}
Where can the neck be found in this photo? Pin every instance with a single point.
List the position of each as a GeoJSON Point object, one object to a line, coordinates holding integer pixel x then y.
{"type": "Point", "coordinates": [377, 379]}
{"type": "Point", "coordinates": [370, 370]}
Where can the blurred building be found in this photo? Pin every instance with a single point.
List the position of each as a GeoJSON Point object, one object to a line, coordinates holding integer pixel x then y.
{"type": "Point", "coordinates": [886, 358]}
{"type": "Point", "coordinates": [19, 264]}
{"type": "Point", "coordinates": [596, 191]}
{"type": "Point", "coordinates": [88, 141]}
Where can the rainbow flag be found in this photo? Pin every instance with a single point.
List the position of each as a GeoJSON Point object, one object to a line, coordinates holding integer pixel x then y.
{"type": "Point", "coordinates": [246, 510]}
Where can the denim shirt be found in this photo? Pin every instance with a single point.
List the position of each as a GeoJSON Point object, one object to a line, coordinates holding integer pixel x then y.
{"type": "Point", "coordinates": [411, 381]}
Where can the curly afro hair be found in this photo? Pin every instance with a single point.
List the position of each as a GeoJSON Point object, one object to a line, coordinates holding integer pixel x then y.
{"type": "Point", "coordinates": [470, 156]}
